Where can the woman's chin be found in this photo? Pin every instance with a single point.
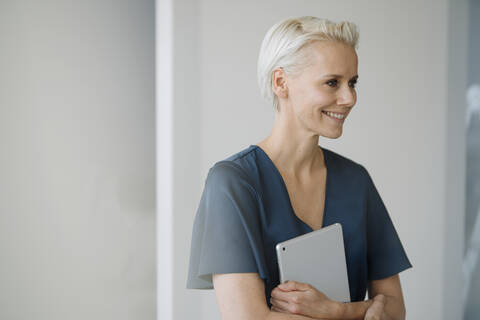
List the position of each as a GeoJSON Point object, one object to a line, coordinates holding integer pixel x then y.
{"type": "Point", "coordinates": [332, 134]}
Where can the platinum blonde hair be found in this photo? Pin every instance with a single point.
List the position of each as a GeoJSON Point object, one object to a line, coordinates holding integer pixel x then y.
{"type": "Point", "coordinates": [283, 44]}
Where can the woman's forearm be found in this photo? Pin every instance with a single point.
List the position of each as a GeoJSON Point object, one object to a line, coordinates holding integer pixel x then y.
{"type": "Point", "coordinates": [273, 315]}
{"type": "Point", "coordinates": [393, 309]}
{"type": "Point", "coordinates": [355, 310]}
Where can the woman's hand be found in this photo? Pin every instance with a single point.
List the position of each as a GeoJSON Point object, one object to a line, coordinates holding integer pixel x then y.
{"type": "Point", "coordinates": [303, 299]}
{"type": "Point", "coordinates": [375, 311]}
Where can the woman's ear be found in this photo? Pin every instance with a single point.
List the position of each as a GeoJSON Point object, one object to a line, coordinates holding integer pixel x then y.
{"type": "Point", "coordinates": [279, 82]}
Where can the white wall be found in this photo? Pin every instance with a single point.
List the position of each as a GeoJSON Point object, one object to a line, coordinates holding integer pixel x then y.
{"type": "Point", "coordinates": [406, 127]}
{"type": "Point", "coordinates": [178, 152]}
{"type": "Point", "coordinates": [77, 165]}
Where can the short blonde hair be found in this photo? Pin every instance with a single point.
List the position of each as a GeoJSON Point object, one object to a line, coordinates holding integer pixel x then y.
{"type": "Point", "coordinates": [283, 42]}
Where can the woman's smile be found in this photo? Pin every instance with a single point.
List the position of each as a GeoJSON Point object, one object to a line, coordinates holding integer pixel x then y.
{"type": "Point", "coordinates": [338, 117]}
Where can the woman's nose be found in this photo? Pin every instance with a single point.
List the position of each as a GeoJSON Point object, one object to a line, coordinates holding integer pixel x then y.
{"type": "Point", "coordinates": [346, 96]}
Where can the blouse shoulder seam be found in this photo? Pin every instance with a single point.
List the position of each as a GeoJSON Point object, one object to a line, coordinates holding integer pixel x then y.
{"type": "Point", "coordinates": [239, 155]}
{"type": "Point", "coordinates": [235, 166]}
{"type": "Point", "coordinates": [231, 163]}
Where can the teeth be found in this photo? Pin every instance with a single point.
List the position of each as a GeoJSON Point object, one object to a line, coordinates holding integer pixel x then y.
{"type": "Point", "coordinates": [335, 115]}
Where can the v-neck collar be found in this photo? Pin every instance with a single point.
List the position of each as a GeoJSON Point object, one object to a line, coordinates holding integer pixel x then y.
{"type": "Point", "coordinates": [285, 191]}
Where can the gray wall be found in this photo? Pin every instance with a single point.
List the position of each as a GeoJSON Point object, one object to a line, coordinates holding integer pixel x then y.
{"type": "Point", "coordinates": [474, 42]}
{"type": "Point", "coordinates": [77, 166]}
{"type": "Point", "coordinates": [472, 308]}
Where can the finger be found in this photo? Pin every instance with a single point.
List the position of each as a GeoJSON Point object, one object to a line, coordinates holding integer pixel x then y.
{"type": "Point", "coordinates": [278, 310]}
{"type": "Point", "coordinates": [373, 316]}
{"type": "Point", "coordinates": [377, 307]}
{"type": "Point", "coordinates": [287, 296]}
{"type": "Point", "coordinates": [379, 298]}
{"type": "Point", "coordinates": [374, 312]}
{"type": "Point", "coordinates": [279, 305]}
{"type": "Point", "coordinates": [275, 291]}
{"type": "Point", "coordinates": [294, 285]}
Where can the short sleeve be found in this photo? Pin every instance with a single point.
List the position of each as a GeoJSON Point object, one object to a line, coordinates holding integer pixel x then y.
{"type": "Point", "coordinates": [226, 235]}
{"type": "Point", "coordinates": [385, 253]}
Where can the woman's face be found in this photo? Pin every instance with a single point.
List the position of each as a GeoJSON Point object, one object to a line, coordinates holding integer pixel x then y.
{"type": "Point", "coordinates": [323, 94]}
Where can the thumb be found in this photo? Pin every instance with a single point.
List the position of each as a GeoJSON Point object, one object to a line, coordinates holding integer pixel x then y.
{"type": "Point", "coordinates": [379, 298]}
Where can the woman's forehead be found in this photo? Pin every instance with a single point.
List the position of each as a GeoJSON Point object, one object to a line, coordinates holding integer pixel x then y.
{"type": "Point", "coordinates": [333, 58]}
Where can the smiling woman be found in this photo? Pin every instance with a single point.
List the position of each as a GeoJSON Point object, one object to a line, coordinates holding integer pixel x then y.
{"type": "Point", "coordinates": [322, 102]}
{"type": "Point", "coordinates": [287, 185]}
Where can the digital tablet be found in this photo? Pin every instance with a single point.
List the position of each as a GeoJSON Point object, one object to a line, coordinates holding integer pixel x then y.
{"type": "Point", "coordinates": [317, 258]}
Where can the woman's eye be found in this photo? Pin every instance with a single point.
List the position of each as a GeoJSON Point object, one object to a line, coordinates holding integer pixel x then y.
{"type": "Point", "coordinates": [332, 82]}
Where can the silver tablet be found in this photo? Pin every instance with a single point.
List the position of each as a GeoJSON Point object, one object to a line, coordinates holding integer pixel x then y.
{"type": "Point", "coordinates": [317, 258]}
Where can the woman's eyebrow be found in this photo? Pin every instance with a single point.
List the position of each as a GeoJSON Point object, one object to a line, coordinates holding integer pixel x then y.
{"type": "Point", "coordinates": [339, 76]}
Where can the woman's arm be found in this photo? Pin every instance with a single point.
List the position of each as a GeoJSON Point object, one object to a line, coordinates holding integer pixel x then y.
{"type": "Point", "coordinates": [391, 288]}
{"type": "Point", "coordinates": [393, 308]}
{"type": "Point", "coordinates": [242, 296]}
{"type": "Point", "coordinates": [308, 301]}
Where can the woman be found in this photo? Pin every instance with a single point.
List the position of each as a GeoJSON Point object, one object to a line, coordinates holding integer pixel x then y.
{"type": "Point", "coordinates": [287, 185]}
